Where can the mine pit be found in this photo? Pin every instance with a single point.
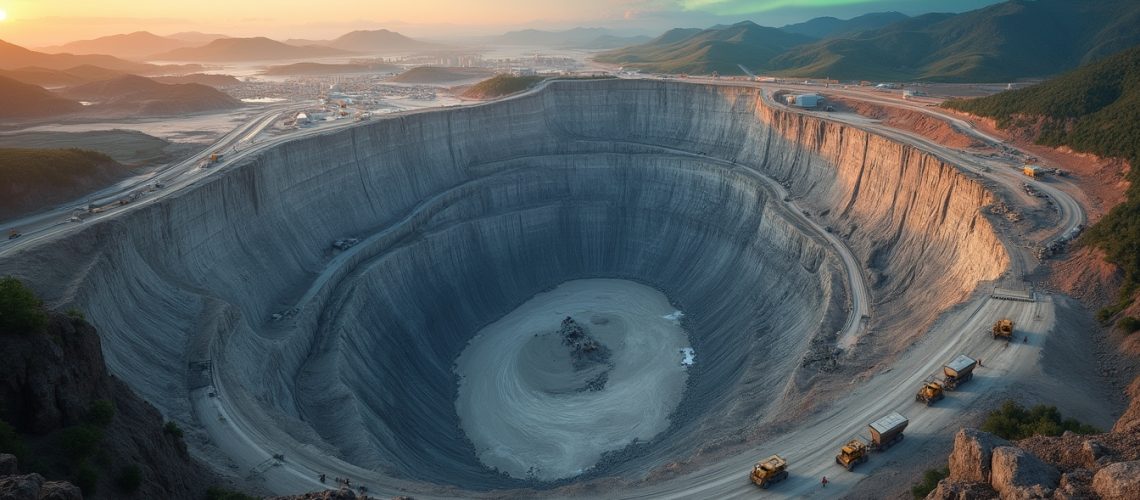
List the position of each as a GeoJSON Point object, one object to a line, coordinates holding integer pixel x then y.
{"type": "Point", "coordinates": [665, 220]}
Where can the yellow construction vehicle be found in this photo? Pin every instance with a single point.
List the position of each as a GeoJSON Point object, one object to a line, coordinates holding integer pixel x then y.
{"type": "Point", "coordinates": [1003, 329]}
{"type": "Point", "coordinates": [852, 453]}
{"type": "Point", "coordinates": [770, 470]}
{"type": "Point", "coordinates": [930, 392]}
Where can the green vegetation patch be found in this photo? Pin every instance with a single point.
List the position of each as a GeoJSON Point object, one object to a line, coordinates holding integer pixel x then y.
{"type": "Point", "coordinates": [48, 166]}
{"type": "Point", "coordinates": [1094, 109]}
{"type": "Point", "coordinates": [501, 85]}
{"type": "Point", "coordinates": [930, 480]}
{"type": "Point", "coordinates": [20, 310]}
{"type": "Point", "coordinates": [124, 146]}
{"type": "Point", "coordinates": [1013, 421]}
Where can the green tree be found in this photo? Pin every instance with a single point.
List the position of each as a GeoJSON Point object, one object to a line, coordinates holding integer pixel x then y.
{"type": "Point", "coordinates": [129, 479]}
{"type": "Point", "coordinates": [20, 310]}
{"type": "Point", "coordinates": [86, 477]}
{"type": "Point", "coordinates": [11, 442]}
{"type": "Point", "coordinates": [929, 481]}
{"type": "Point", "coordinates": [101, 413]}
{"type": "Point", "coordinates": [1013, 421]}
{"type": "Point", "coordinates": [81, 441]}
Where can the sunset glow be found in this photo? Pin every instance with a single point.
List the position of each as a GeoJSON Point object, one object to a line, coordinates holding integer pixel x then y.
{"type": "Point", "coordinates": [41, 23]}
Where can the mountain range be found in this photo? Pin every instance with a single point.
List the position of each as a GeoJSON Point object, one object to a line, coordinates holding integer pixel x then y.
{"type": "Point", "coordinates": [15, 57]}
{"type": "Point", "coordinates": [578, 38]}
{"type": "Point", "coordinates": [718, 49]}
{"type": "Point", "coordinates": [138, 96]}
{"type": "Point", "coordinates": [248, 49]}
{"type": "Point", "coordinates": [21, 100]}
{"type": "Point", "coordinates": [135, 45]}
{"type": "Point", "coordinates": [1002, 42]}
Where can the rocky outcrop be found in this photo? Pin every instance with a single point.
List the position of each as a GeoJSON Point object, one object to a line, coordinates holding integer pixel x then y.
{"type": "Point", "coordinates": [1119, 481]}
{"type": "Point", "coordinates": [1069, 466]}
{"type": "Point", "coordinates": [52, 381]}
{"type": "Point", "coordinates": [1018, 475]}
{"type": "Point", "coordinates": [954, 490]}
{"type": "Point", "coordinates": [338, 494]}
{"type": "Point", "coordinates": [34, 487]}
{"type": "Point", "coordinates": [8, 465]}
{"type": "Point", "coordinates": [971, 460]}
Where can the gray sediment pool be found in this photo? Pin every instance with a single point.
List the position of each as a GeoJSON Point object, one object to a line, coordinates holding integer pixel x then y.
{"type": "Point", "coordinates": [532, 412]}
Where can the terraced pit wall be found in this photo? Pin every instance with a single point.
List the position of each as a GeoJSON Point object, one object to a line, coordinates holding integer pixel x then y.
{"type": "Point", "coordinates": [468, 212]}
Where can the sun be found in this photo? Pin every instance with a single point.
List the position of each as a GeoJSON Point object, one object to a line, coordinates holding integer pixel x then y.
{"type": "Point", "coordinates": [3, 15]}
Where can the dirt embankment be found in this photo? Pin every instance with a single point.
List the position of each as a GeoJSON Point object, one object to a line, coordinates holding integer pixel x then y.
{"type": "Point", "coordinates": [1101, 180]}
{"type": "Point", "coordinates": [913, 121]}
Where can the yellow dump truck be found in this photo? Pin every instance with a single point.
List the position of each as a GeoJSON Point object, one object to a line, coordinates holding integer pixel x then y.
{"type": "Point", "coordinates": [1003, 329]}
{"type": "Point", "coordinates": [853, 453]}
{"type": "Point", "coordinates": [930, 392]}
{"type": "Point", "coordinates": [958, 371]}
{"type": "Point", "coordinates": [770, 470]}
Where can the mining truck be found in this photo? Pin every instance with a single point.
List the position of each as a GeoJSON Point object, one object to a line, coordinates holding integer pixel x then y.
{"type": "Point", "coordinates": [770, 470]}
{"type": "Point", "coordinates": [887, 431]}
{"type": "Point", "coordinates": [852, 453]}
{"type": "Point", "coordinates": [1003, 329]}
{"type": "Point", "coordinates": [930, 392]}
{"type": "Point", "coordinates": [959, 371]}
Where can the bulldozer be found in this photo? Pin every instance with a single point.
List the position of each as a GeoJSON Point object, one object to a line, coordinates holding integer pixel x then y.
{"type": "Point", "coordinates": [853, 453]}
{"type": "Point", "coordinates": [770, 470]}
{"type": "Point", "coordinates": [930, 392]}
{"type": "Point", "coordinates": [1003, 329]}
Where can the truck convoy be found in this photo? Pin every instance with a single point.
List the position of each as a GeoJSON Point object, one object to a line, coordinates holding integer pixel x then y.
{"type": "Point", "coordinates": [770, 470]}
{"type": "Point", "coordinates": [885, 432]}
{"type": "Point", "coordinates": [956, 372]}
{"type": "Point", "coordinates": [1003, 329]}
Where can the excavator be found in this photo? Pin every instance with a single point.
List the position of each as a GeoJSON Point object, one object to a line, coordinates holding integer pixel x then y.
{"type": "Point", "coordinates": [770, 470]}
{"type": "Point", "coordinates": [1003, 329]}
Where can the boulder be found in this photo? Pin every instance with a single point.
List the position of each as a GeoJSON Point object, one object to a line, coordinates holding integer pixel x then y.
{"type": "Point", "coordinates": [970, 462]}
{"type": "Point", "coordinates": [1016, 474]}
{"type": "Point", "coordinates": [1130, 420]}
{"type": "Point", "coordinates": [8, 465]}
{"type": "Point", "coordinates": [948, 489]}
{"type": "Point", "coordinates": [1075, 485]}
{"type": "Point", "coordinates": [1093, 452]}
{"type": "Point", "coordinates": [1119, 481]}
{"type": "Point", "coordinates": [21, 487]}
{"type": "Point", "coordinates": [60, 490]}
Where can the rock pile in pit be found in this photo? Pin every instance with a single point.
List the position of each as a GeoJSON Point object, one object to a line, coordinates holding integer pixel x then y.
{"type": "Point", "coordinates": [586, 353]}
{"type": "Point", "coordinates": [1071, 466]}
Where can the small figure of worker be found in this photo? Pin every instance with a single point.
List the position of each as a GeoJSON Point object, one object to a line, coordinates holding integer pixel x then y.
{"type": "Point", "coordinates": [823, 482]}
{"type": "Point", "coordinates": [322, 478]}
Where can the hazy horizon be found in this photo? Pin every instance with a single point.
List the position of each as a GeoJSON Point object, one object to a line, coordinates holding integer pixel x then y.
{"type": "Point", "coordinates": [42, 23]}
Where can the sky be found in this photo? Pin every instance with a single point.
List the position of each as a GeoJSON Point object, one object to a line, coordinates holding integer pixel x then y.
{"type": "Point", "coordinates": [38, 23]}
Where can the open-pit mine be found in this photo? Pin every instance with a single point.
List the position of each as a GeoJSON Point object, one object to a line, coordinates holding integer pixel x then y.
{"type": "Point", "coordinates": [623, 288]}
